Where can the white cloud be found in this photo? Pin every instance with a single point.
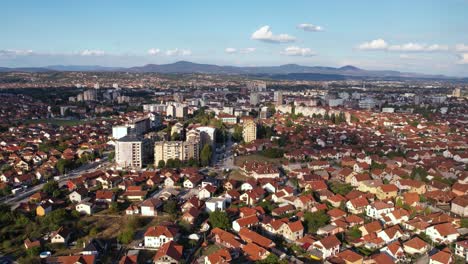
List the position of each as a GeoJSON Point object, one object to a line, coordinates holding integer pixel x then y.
{"type": "Point", "coordinates": [264, 34]}
{"type": "Point", "coordinates": [241, 51]}
{"type": "Point", "coordinates": [380, 44]}
{"type": "Point", "coordinates": [416, 47]}
{"type": "Point", "coordinates": [309, 27]}
{"type": "Point", "coordinates": [247, 50]}
{"type": "Point", "coordinates": [9, 52]}
{"type": "Point", "coordinates": [461, 47]}
{"type": "Point", "coordinates": [463, 58]}
{"type": "Point", "coordinates": [178, 52]}
{"type": "Point", "coordinates": [88, 52]}
{"type": "Point", "coordinates": [154, 51]}
{"type": "Point", "coordinates": [377, 44]}
{"type": "Point", "coordinates": [230, 50]}
{"type": "Point", "coordinates": [297, 51]}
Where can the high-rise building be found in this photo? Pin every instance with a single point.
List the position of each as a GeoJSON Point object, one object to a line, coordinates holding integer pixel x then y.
{"type": "Point", "coordinates": [90, 95]}
{"type": "Point", "coordinates": [456, 92]}
{"type": "Point", "coordinates": [249, 130]}
{"type": "Point", "coordinates": [181, 150]}
{"type": "Point", "coordinates": [254, 98]}
{"type": "Point", "coordinates": [132, 151]}
{"type": "Point", "coordinates": [140, 125]}
{"type": "Point", "coordinates": [278, 97]}
{"type": "Point", "coordinates": [119, 132]}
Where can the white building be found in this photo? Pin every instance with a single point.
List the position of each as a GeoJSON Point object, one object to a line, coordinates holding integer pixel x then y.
{"type": "Point", "coordinates": [132, 152]}
{"type": "Point", "coordinates": [120, 131]}
{"type": "Point", "coordinates": [215, 204]}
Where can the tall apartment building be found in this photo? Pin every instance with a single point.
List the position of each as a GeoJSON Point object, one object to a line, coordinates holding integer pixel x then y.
{"type": "Point", "coordinates": [90, 95]}
{"type": "Point", "coordinates": [249, 131]}
{"type": "Point", "coordinates": [182, 150]}
{"type": "Point", "coordinates": [254, 100]}
{"type": "Point", "coordinates": [278, 97]}
{"type": "Point", "coordinates": [132, 152]}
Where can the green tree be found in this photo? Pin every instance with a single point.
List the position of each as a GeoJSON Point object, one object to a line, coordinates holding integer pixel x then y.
{"type": "Point", "coordinates": [271, 259]}
{"type": "Point", "coordinates": [50, 187]}
{"type": "Point", "coordinates": [161, 164]}
{"type": "Point", "coordinates": [313, 221]}
{"type": "Point", "coordinates": [126, 236]}
{"type": "Point", "coordinates": [340, 188]}
{"type": "Point", "coordinates": [170, 207]}
{"type": "Point", "coordinates": [219, 219]}
{"type": "Point", "coordinates": [205, 155]}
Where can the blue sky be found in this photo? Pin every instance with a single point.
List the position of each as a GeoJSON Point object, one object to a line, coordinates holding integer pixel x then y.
{"type": "Point", "coordinates": [418, 36]}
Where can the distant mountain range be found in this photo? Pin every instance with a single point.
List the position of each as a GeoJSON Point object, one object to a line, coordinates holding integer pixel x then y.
{"type": "Point", "coordinates": [287, 71]}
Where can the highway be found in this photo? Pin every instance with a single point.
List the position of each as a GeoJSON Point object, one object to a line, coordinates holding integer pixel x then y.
{"type": "Point", "coordinates": [14, 201]}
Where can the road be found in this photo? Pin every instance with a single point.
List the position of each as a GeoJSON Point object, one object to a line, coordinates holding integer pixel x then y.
{"type": "Point", "coordinates": [24, 196]}
{"type": "Point", "coordinates": [225, 160]}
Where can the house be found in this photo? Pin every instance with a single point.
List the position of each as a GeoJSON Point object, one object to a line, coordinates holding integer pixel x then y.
{"type": "Point", "coordinates": [350, 257]}
{"type": "Point", "coordinates": [85, 207]}
{"type": "Point", "coordinates": [192, 182]}
{"type": "Point", "coordinates": [292, 231]}
{"type": "Point", "coordinates": [191, 215]}
{"type": "Point", "coordinates": [132, 210]}
{"type": "Point", "coordinates": [444, 256]}
{"type": "Point", "coordinates": [31, 244]}
{"type": "Point", "coordinates": [94, 247]}
{"type": "Point", "coordinates": [215, 204]}
{"type": "Point", "coordinates": [250, 236]}
{"type": "Point", "coordinates": [378, 209]}
{"type": "Point", "coordinates": [206, 192]}
{"type": "Point", "coordinates": [62, 235]}
{"type": "Point", "coordinates": [371, 227]}
{"type": "Point", "coordinates": [387, 191]}
{"type": "Point", "coordinates": [106, 196]}
{"type": "Point", "coordinates": [149, 207]}
{"type": "Point", "coordinates": [220, 256]}
{"type": "Point", "coordinates": [442, 233]}
{"type": "Point", "coordinates": [248, 222]}
{"type": "Point", "coordinates": [390, 234]}
{"type": "Point", "coordinates": [254, 252]}
{"type": "Point", "coordinates": [156, 236]}
{"type": "Point", "coordinates": [130, 258]}
{"type": "Point", "coordinates": [460, 206]}
{"type": "Point", "coordinates": [76, 259]}
{"type": "Point", "coordinates": [357, 205]}
{"type": "Point", "coordinates": [192, 202]}
{"type": "Point", "coordinates": [169, 253]}
{"type": "Point", "coordinates": [225, 239]}
{"type": "Point", "coordinates": [328, 246]}
{"type": "Point", "coordinates": [415, 246]}
{"type": "Point", "coordinates": [77, 195]}
{"type": "Point", "coordinates": [461, 249]}
{"type": "Point", "coordinates": [394, 250]}
{"type": "Point", "coordinates": [44, 208]}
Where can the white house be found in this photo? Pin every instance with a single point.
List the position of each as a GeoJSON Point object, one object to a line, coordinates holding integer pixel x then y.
{"type": "Point", "coordinates": [378, 209]}
{"type": "Point", "coordinates": [415, 246]}
{"type": "Point", "coordinates": [215, 204]}
{"type": "Point", "coordinates": [149, 207]}
{"type": "Point", "coordinates": [442, 233]}
{"type": "Point", "coordinates": [85, 207]}
{"type": "Point", "coordinates": [328, 246]}
{"type": "Point", "coordinates": [156, 236]}
{"type": "Point", "coordinates": [461, 249]}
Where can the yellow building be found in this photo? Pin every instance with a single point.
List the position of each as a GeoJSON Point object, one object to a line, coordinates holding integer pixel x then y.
{"type": "Point", "coordinates": [249, 131]}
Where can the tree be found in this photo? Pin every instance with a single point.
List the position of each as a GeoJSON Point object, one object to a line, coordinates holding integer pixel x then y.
{"type": "Point", "coordinates": [63, 165]}
{"type": "Point", "coordinates": [170, 207]}
{"type": "Point", "coordinates": [340, 188]}
{"type": "Point", "coordinates": [126, 236]}
{"type": "Point", "coordinates": [50, 187]}
{"type": "Point", "coordinates": [205, 155]}
{"type": "Point", "coordinates": [314, 221]}
{"type": "Point", "coordinates": [273, 153]}
{"type": "Point", "coordinates": [161, 164]}
{"type": "Point", "coordinates": [354, 232]}
{"type": "Point", "coordinates": [219, 219]}
{"type": "Point", "coordinates": [272, 259]}
{"type": "Point", "coordinates": [237, 134]}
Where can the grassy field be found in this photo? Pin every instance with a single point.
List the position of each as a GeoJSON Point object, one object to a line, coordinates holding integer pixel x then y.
{"type": "Point", "coordinates": [241, 159]}
{"type": "Point", "coordinates": [58, 122]}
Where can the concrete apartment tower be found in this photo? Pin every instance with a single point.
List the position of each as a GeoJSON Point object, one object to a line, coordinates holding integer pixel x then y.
{"type": "Point", "coordinates": [249, 131]}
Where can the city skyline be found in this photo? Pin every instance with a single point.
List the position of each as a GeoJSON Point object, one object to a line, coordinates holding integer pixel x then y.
{"type": "Point", "coordinates": [421, 36]}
